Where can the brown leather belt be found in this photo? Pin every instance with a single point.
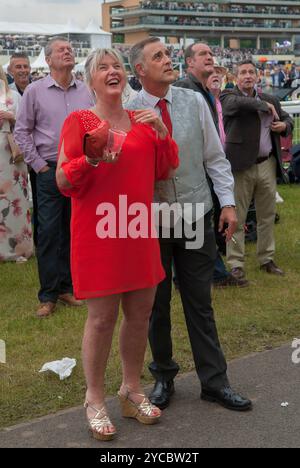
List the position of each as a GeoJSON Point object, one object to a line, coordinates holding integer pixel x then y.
{"type": "Point", "coordinates": [265, 158]}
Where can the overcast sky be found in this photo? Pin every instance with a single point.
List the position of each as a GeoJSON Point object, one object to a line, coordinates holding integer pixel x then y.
{"type": "Point", "coordinates": [50, 11]}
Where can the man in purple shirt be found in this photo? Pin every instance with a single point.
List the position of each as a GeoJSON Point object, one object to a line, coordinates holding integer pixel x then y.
{"type": "Point", "coordinates": [45, 105]}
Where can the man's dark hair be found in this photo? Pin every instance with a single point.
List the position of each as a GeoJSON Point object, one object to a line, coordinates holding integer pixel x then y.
{"type": "Point", "coordinates": [189, 52]}
{"type": "Point", "coordinates": [245, 62]}
{"type": "Point", "coordinates": [136, 52]}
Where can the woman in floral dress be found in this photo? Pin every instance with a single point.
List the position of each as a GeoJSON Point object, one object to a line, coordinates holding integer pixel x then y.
{"type": "Point", "coordinates": [15, 221]}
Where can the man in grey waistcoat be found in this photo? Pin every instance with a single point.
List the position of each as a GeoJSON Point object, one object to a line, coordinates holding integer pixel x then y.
{"type": "Point", "coordinates": [189, 120]}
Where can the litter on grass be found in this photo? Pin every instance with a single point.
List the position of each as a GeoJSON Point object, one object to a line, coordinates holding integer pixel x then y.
{"type": "Point", "coordinates": [63, 368]}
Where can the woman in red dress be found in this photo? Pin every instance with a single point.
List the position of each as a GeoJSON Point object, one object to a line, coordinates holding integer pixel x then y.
{"type": "Point", "coordinates": [115, 257]}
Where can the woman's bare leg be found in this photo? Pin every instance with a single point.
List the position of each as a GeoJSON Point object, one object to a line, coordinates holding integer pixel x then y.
{"type": "Point", "coordinates": [97, 339]}
{"type": "Point", "coordinates": [137, 308]}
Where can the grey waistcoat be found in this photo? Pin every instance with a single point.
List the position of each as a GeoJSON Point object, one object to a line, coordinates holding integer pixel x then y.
{"type": "Point", "coordinates": [190, 183]}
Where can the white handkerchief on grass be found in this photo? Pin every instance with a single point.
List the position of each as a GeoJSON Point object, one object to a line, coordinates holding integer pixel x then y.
{"type": "Point", "coordinates": [63, 367]}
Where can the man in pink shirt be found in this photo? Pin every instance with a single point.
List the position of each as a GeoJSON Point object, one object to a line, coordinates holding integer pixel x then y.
{"type": "Point", "coordinates": [45, 105]}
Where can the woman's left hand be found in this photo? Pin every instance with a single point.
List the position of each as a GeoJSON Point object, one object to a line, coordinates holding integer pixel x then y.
{"type": "Point", "coordinates": [149, 116]}
{"type": "Point", "coordinates": [6, 115]}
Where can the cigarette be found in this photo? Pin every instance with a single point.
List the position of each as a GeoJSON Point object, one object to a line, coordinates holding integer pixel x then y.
{"type": "Point", "coordinates": [233, 240]}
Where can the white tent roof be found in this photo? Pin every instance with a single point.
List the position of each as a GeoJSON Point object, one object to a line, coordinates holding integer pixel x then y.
{"type": "Point", "coordinates": [72, 28]}
{"type": "Point", "coordinates": [80, 66]}
{"type": "Point", "coordinates": [94, 28]}
{"type": "Point", "coordinates": [30, 28]}
{"type": "Point", "coordinates": [5, 66]}
{"type": "Point", "coordinates": [40, 62]}
{"type": "Point", "coordinates": [39, 29]}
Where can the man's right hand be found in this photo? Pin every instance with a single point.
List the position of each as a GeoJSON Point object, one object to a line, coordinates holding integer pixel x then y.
{"type": "Point", "coordinates": [272, 111]}
{"type": "Point", "coordinates": [44, 169]}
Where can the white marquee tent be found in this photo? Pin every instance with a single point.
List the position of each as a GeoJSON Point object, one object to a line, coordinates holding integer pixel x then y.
{"type": "Point", "coordinates": [99, 38]}
{"type": "Point", "coordinates": [72, 28]}
{"type": "Point", "coordinates": [80, 66]}
{"type": "Point", "coordinates": [5, 66]}
{"type": "Point", "coordinates": [40, 62]}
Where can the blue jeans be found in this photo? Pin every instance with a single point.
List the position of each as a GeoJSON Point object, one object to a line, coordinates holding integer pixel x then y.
{"type": "Point", "coordinates": [220, 272]}
{"type": "Point", "coordinates": [53, 251]}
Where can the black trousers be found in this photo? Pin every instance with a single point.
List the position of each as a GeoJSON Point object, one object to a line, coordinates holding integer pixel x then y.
{"type": "Point", "coordinates": [53, 252]}
{"type": "Point", "coordinates": [194, 270]}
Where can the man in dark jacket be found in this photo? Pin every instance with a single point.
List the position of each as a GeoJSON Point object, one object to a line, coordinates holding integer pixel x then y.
{"type": "Point", "coordinates": [199, 60]}
{"type": "Point", "coordinates": [253, 125]}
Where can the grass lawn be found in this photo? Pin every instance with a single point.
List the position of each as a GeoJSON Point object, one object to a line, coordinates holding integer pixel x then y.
{"type": "Point", "coordinates": [296, 133]}
{"type": "Point", "coordinates": [254, 319]}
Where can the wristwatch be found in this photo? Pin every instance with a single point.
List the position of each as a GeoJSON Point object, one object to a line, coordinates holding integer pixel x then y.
{"type": "Point", "coordinates": [228, 206]}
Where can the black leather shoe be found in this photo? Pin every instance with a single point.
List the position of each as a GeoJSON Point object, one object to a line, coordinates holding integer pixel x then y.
{"type": "Point", "coordinates": [272, 268]}
{"type": "Point", "coordinates": [230, 282]}
{"type": "Point", "coordinates": [226, 397]}
{"type": "Point", "coordinates": [161, 393]}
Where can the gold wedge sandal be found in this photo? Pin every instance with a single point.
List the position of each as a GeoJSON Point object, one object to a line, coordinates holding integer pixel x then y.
{"type": "Point", "coordinates": [143, 411]}
{"type": "Point", "coordinates": [99, 422]}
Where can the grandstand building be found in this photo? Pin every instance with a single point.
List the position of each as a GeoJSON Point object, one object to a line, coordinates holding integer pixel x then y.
{"type": "Point", "coordinates": [259, 24]}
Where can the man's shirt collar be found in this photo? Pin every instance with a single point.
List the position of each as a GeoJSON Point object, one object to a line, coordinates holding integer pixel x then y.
{"type": "Point", "coordinates": [154, 100]}
{"type": "Point", "coordinates": [254, 95]}
{"type": "Point", "coordinates": [51, 82]}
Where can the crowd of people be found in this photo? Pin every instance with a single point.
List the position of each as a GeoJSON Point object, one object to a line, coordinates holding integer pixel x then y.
{"type": "Point", "coordinates": [32, 44]}
{"type": "Point", "coordinates": [270, 76]}
{"type": "Point", "coordinates": [181, 143]}
{"type": "Point", "coordinates": [227, 56]}
{"type": "Point", "coordinates": [216, 7]}
{"type": "Point", "coordinates": [199, 20]}
{"type": "Point", "coordinates": [215, 22]}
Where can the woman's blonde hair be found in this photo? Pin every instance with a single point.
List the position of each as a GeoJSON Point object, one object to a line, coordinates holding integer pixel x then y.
{"type": "Point", "coordinates": [3, 78]}
{"type": "Point", "coordinates": [95, 57]}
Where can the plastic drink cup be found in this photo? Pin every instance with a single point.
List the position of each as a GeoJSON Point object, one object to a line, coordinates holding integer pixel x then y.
{"type": "Point", "coordinates": [115, 140]}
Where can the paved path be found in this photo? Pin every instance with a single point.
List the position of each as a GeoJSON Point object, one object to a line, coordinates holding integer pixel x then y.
{"type": "Point", "coordinates": [268, 378]}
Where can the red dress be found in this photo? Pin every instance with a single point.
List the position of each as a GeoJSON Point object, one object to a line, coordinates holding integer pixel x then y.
{"type": "Point", "coordinates": [115, 264]}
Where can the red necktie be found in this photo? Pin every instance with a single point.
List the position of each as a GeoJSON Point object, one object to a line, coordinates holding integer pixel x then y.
{"type": "Point", "coordinates": [162, 104]}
